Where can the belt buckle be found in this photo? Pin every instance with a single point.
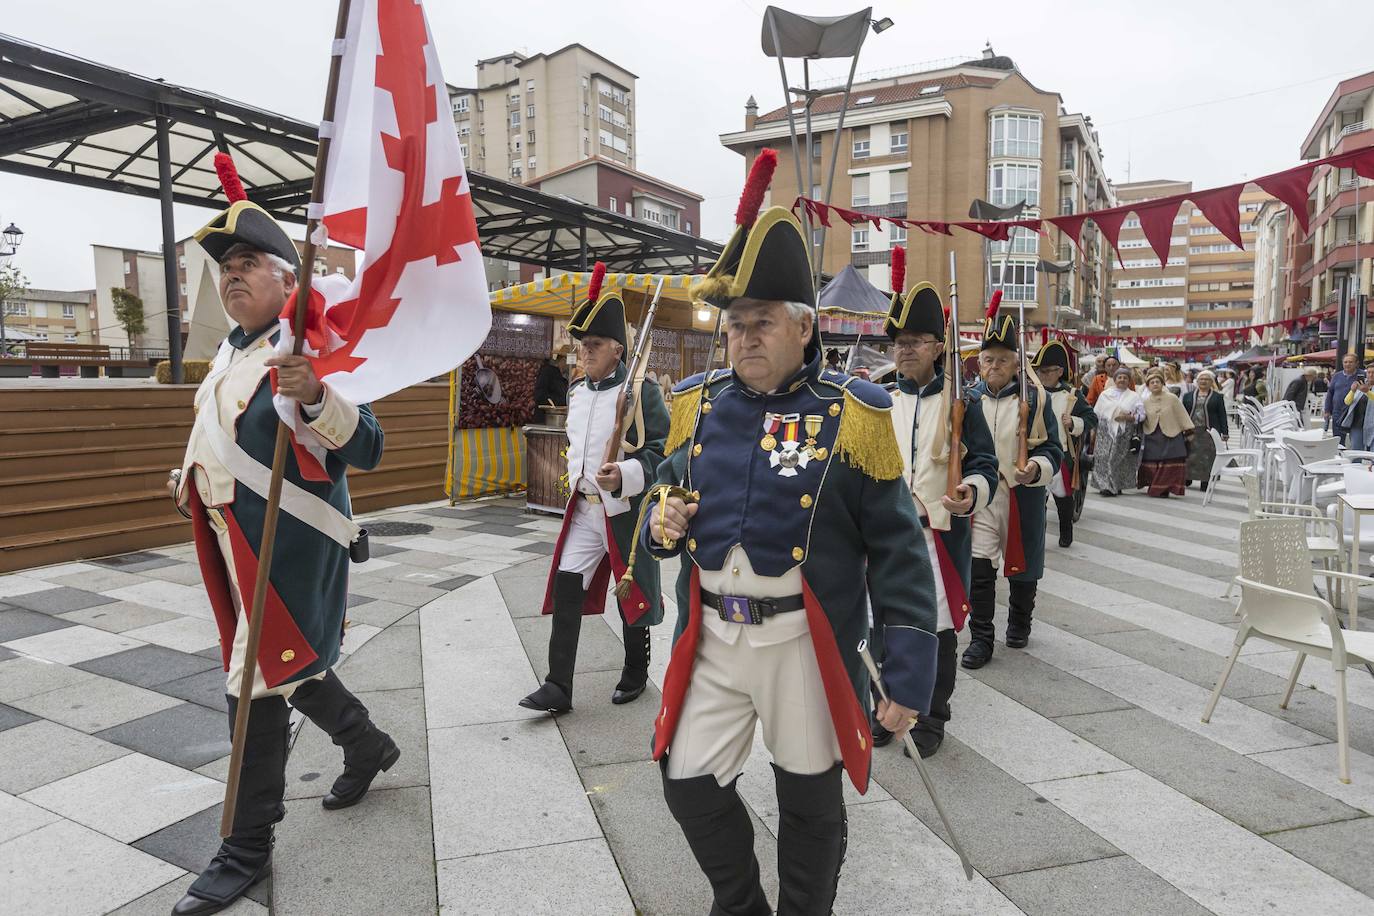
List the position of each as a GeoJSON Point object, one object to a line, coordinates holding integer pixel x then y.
{"type": "Point", "coordinates": [734, 609]}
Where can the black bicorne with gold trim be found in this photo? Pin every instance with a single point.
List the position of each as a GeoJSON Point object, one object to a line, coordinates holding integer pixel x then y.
{"type": "Point", "coordinates": [999, 331]}
{"type": "Point", "coordinates": [918, 311]}
{"type": "Point", "coordinates": [1055, 353]}
{"type": "Point", "coordinates": [243, 223]}
{"type": "Point", "coordinates": [603, 318]}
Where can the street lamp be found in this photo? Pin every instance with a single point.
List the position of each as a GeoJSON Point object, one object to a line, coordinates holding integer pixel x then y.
{"type": "Point", "coordinates": [13, 236]}
{"type": "Point", "coordinates": [882, 25]}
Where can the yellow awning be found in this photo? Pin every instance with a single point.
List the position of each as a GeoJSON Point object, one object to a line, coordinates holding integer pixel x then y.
{"type": "Point", "coordinates": [555, 297]}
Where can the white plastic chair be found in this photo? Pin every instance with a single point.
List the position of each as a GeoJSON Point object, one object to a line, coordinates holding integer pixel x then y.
{"type": "Point", "coordinates": [1278, 606]}
{"type": "Point", "coordinates": [1325, 543]}
{"type": "Point", "coordinates": [1248, 459]}
{"type": "Point", "coordinates": [1299, 451]}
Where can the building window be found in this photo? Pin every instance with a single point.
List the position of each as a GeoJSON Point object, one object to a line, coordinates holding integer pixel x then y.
{"type": "Point", "coordinates": [604, 113]}
{"type": "Point", "coordinates": [529, 111]}
{"type": "Point", "coordinates": [460, 104]}
{"type": "Point", "coordinates": [530, 163]}
{"type": "Point", "coordinates": [126, 268]}
{"type": "Point", "coordinates": [629, 208]}
{"type": "Point", "coordinates": [529, 85]}
{"type": "Point", "coordinates": [899, 138]}
{"type": "Point", "coordinates": [531, 137]}
{"type": "Point", "coordinates": [586, 146]}
{"type": "Point", "coordinates": [515, 99]}
{"type": "Point", "coordinates": [41, 336]}
{"type": "Point", "coordinates": [859, 185]}
{"type": "Point", "coordinates": [69, 337]}
{"type": "Point", "coordinates": [1016, 135]}
{"type": "Point", "coordinates": [605, 137]}
{"type": "Point", "coordinates": [815, 149]}
{"type": "Point", "coordinates": [861, 143]}
{"type": "Point", "coordinates": [1021, 242]}
{"type": "Point", "coordinates": [897, 186]}
{"type": "Point", "coordinates": [515, 120]}
{"type": "Point", "coordinates": [896, 235]}
{"type": "Point", "coordinates": [517, 145]}
{"type": "Point", "coordinates": [481, 104]}
{"type": "Point", "coordinates": [687, 227]}
{"type": "Point", "coordinates": [68, 310]}
{"type": "Point", "coordinates": [463, 150]}
{"type": "Point", "coordinates": [516, 173]}
{"type": "Point", "coordinates": [860, 240]}
{"type": "Point", "coordinates": [615, 205]}
{"type": "Point", "coordinates": [1014, 182]}
{"type": "Point", "coordinates": [17, 308]}
{"type": "Point", "coordinates": [40, 310]}
{"type": "Point", "coordinates": [1016, 280]}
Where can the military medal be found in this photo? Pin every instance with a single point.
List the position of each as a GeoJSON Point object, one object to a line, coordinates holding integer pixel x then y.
{"type": "Point", "coordinates": [771, 424]}
{"type": "Point", "coordinates": [790, 456]}
{"type": "Point", "coordinates": [813, 429]}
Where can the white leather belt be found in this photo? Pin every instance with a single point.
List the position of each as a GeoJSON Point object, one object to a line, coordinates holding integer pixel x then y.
{"type": "Point", "coordinates": [302, 504]}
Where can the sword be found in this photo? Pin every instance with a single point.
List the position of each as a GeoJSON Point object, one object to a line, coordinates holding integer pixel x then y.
{"type": "Point", "coordinates": [920, 766]}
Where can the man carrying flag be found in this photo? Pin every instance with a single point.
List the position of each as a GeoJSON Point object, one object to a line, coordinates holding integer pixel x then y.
{"type": "Point", "coordinates": [221, 486]}
{"type": "Point", "coordinates": [389, 179]}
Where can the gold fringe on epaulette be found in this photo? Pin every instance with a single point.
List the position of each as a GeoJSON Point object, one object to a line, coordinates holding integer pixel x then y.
{"type": "Point", "coordinates": [713, 287]}
{"type": "Point", "coordinates": [865, 440]}
{"type": "Point", "coordinates": [684, 418]}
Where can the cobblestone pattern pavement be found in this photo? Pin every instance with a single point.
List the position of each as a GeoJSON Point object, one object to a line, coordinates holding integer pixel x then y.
{"type": "Point", "coordinates": [1079, 773]}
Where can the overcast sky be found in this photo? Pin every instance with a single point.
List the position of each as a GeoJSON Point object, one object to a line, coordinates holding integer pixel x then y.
{"type": "Point", "coordinates": [1185, 89]}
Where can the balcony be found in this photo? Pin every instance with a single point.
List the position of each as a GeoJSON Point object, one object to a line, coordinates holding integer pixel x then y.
{"type": "Point", "coordinates": [1354, 136]}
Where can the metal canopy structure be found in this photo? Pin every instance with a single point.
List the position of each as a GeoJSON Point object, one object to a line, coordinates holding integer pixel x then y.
{"type": "Point", "coordinates": [68, 119]}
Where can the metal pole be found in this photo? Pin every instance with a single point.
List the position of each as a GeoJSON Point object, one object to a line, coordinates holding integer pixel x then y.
{"type": "Point", "coordinates": [169, 249]}
{"type": "Point", "coordinates": [1343, 321]}
{"type": "Point", "coordinates": [839, 132]}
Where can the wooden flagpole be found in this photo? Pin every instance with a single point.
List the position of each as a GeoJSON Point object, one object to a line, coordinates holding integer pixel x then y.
{"type": "Point", "coordinates": [269, 523]}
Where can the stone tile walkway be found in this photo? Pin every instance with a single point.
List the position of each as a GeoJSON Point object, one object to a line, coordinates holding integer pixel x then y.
{"type": "Point", "coordinates": [1079, 773]}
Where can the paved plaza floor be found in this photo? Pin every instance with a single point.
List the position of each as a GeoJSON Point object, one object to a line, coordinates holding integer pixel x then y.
{"type": "Point", "coordinates": [1077, 771]}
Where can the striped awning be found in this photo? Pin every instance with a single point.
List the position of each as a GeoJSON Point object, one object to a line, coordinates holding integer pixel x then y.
{"type": "Point", "coordinates": [556, 296]}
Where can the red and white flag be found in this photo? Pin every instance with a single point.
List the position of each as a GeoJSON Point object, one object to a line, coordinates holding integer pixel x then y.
{"type": "Point", "coordinates": [395, 188]}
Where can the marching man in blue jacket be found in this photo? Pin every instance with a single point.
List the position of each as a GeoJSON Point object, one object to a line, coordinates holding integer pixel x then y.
{"type": "Point", "coordinates": [222, 486]}
{"type": "Point", "coordinates": [781, 486]}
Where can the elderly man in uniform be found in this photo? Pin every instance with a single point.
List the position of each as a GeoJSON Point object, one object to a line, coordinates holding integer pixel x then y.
{"type": "Point", "coordinates": [1011, 530]}
{"type": "Point", "coordinates": [782, 494]}
{"type": "Point", "coordinates": [1053, 364]}
{"type": "Point", "coordinates": [921, 407]}
{"type": "Point", "coordinates": [222, 486]}
{"type": "Point", "coordinates": [599, 524]}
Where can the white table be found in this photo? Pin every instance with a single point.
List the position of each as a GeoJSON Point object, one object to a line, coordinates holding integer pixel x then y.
{"type": "Point", "coordinates": [1359, 504]}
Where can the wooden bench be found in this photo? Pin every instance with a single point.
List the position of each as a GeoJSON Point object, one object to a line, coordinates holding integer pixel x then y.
{"type": "Point", "coordinates": [88, 358]}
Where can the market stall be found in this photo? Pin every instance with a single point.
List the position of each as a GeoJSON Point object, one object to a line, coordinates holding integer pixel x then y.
{"type": "Point", "coordinates": [495, 446]}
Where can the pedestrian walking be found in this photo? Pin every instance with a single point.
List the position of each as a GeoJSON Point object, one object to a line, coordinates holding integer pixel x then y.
{"type": "Point", "coordinates": [1116, 461]}
{"type": "Point", "coordinates": [1206, 408]}
{"type": "Point", "coordinates": [1166, 429]}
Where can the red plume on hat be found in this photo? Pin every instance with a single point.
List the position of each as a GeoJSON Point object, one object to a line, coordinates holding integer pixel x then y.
{"type": "Point", "coordinates": [898, 264]}
{"type": "Point", "coordinates": [229, 178]}
{"type": "Point", "coordinates": [994, 303]}
{"type": "Point", "coordinates": [594, 287]}
{"type": "Point", "coordinates": [760, 176]}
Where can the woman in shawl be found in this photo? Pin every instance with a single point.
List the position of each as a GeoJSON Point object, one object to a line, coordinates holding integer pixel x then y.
{"type": "Point", "coordinates": [1167, 428]}
{"type": "Point", "coordinates": [1207, 408]}
{"type": "Point", "coordinates": [1119, 412]}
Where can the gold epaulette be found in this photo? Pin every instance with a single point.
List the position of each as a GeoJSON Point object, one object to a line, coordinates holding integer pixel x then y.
{"type": "Point", "coordinates": [684, 418]}
{"type": "Point", "coordinates": [865, 441]}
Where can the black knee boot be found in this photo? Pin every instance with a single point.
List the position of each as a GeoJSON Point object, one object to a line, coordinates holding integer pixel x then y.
{"type": "Point", "coordinates": [367, 749]}
{"type": "Point", "coordinates": [245, 857]}
{"type": "Point", "coordinates": [635, 674]}
{"type": "Point", "coordinates": [1065, 506]}
{"type": "Point", "coordinates": [982, 600]}
{"type": "Point", "coordinates": [1020, 609]}
{"type": "Point", "coordinates": [556, 694]}
{"type": "Point", "coordinates": [930, 730]}
{"type": "Point", "coordinates": [721, 836]}
{"type": "Point", "coordinates": [812, 833]}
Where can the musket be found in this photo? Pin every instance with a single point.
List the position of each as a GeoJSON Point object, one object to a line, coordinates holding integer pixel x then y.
{"type": "Point", "coordinates": [1023, 427]}
{"type": "Point", "coordinates": [629, 391]}
{"type": "Point", "coordinates": [954, 381]}
{"type": "Point", "coordinates": [1077, 441]}
{"type": "Point", "coordinates": [915, 755]}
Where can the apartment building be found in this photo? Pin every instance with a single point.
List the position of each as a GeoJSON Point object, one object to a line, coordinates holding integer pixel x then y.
{"type": "Point", "coordinates": [52, 316]}
{"type": "Point", "coordinates": [528, 116]}
{"type": "Point", "coordinates": [925, 144]}
{"type": "Point", "coordinates": [1149, 300]}
{"type": "Point", "coordinates": [1207, 284]}
{"type": "Point", "coordinates": [1340, 242]}
{"type": "Point", "coordinates": [1271, 267]}
{"type": "Point", "coordinates": [620, 189]}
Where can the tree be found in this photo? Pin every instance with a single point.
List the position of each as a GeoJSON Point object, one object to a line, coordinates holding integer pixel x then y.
{"type": "Point", "coordinates": [13, 285]}
{"type": "Point", "coordinates": [128, 310]}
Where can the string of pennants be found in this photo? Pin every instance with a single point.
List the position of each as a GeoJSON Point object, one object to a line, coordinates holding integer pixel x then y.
{"type": "Point", "coordinates": [1221, 207]}
{"type": "Point", "coordinates": [1226, 338]}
